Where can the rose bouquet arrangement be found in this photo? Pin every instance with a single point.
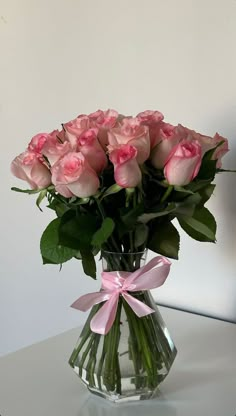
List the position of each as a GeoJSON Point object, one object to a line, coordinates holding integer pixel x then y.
{"type": "Point", "coordinates": [116, 184]}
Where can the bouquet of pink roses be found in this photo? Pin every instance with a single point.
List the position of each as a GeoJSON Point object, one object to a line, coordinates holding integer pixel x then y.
{"type": "Point", "coordinates": [116, 184]}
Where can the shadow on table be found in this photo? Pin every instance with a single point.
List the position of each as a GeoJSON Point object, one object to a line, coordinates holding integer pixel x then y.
{"type": "Point", "coordinates": [95, 406]}
{"type": "Point", "coordinates": [185, 380]}
{"type": "Point", "coordinates": [201, 362]}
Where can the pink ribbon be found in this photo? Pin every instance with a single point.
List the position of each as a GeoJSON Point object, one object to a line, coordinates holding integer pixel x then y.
{"type": "Point", "coordinates": [119, 283]}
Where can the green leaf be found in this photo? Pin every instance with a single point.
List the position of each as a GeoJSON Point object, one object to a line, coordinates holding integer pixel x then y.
{"type": "Point", "coordinates": [46, 261]}
{"type": "Point", "coordinates": [185, 207]}
{"type": "Point", "coordinates": [41, 196]}
{"type": "Point", "coordinates": [208, 167]}
{"type": "Point", "coordinates": [201, 226]}
{"type": "Point", "coordinates": [76, 230]}
{"type": "Point", "coordinates": [187, 210]}
{"type": "Point", "coordinates": [123, 229]}
{"type": "Point", "coordinates": [165, 240]}
{"type": "Point", "coordinates": [208, 155]}
{"type": "Point", "coordinates": [51, 250]}
{"type": "Point", "coordinates": [88, 263]}
{"type": "Point", "coordinates": [102, 235]}
{"type": "Point", "coordinates": [193, 199]}
{"type": "Point", "coordinates": [206, 193]}
{"type": "Point", "coordinates": [182, 190]}
{"type": "Point", "coordinates": [188, 205]}
{"type": "Point", "coordinates": [140, 235]}
{"type": "Point", "coordinates": [59, 207]}
{"type": "Point", "coordinates": [144, 218]}
{"type": "Point", "coordinates": [130, 217]}
{"type": "Point", "coordinates": [199, 184]}
{"type": "Point", "coordinates": [207, 170]}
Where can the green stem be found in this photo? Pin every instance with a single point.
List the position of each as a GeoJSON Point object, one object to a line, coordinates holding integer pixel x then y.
{"type": "Point", "coordinates": [134, 347]}
{"type": "Point", "coordinates": [142, 351]}
{"type": "Point", "coordinates": [85, 353]}
{"type": "Point", "coordinates": [131, 257]}
{"type": "Point", "coordinates": [103, 215]}
{"type": "Point", "coordinates": [101, 362]}
{"type": "Point", "coordinates": [92, 360]}
{"type": "Point", "coordinates": [111, 367]}
{"type": "Point", "coordinates": [85, 334]}
{"type": "Point", "coordinates": [118, 373]}
{"type": "Point", "coordinates": [155, 325]}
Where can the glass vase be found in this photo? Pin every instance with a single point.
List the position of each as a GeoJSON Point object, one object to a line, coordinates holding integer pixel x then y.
{"type": "Point", "coordinates": [134, 357]}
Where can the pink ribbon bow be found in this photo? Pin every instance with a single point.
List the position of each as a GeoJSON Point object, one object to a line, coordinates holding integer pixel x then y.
{"type": "Point", "coordinates": [119, 283]}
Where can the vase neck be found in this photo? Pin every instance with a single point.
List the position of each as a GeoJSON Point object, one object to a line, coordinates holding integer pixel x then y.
{"type": "Point", "coordinates": [129, 262]}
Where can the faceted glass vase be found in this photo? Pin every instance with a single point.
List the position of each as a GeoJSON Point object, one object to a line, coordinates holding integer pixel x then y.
{"type": "Point", "coordinates": [135, 356]}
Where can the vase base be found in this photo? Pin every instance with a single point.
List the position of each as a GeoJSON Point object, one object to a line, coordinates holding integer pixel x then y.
{"type": "Point", "coordinates": [119, 398]}
{"type": "Point", "coordinates": [128, 391]}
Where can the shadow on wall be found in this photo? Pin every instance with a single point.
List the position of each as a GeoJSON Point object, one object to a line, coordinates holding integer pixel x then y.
{"type": "Point", "coordinates": [226, 124]}
{"type": "Point", "coordinates": [227, 205]}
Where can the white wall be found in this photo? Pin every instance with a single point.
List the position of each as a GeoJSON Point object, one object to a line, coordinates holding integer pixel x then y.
{"type": "Point", "coordinates": [60, 58]}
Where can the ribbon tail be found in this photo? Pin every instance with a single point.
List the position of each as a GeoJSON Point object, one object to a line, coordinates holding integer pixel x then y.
{"type": "Point", "coordinates": [139, 308]}
{"type": "Point", "coordinates": [104, 318]}
{"type": "Point", "coordinates": [85, 302]}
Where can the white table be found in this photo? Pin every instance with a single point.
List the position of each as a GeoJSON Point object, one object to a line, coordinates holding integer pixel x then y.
{"type": "Point", "coordinates": [37, 381]}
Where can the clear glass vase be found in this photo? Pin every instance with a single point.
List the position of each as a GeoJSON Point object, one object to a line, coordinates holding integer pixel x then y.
{"type": "Point", "coordinates": [134, 357]}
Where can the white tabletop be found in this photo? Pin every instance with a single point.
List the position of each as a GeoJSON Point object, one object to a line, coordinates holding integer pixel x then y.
{"type": "Point", "coordinates": [37, 381]}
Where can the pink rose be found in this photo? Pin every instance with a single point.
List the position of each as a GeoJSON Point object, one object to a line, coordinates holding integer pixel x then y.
{"type": "Point", "coordinates": [74, 128]}
{"type": "Point", "coordinates": [37, 142]}
{"type": "Point", "coordinates": [126, 168]}
{"type": "Point", "coordinates": [168, 137]}
{"type": "Point", "coordinates": [28, 166]}
{"type": "Point", "coordinates": [152, 119]}
{"type": "Point", "coordinates": [54, 148]}
{"type": "Point", "coordinates": [149, 116]}
{"type": "Point", "coordinates": [184, 132]}
{"type": "Point", "coordinates": [183, 163]}
{"type": "Point", "coordinates": [206, 142]}
{"type": "Point", "coordinates": [72, 175]}
{"type": "Point", "coordinates": [90, 147]}
{"type": "Point", "coordinates": [103, 120]}
{"type": "Point", "coordinates": [61, 135]}
{"type": "Point", "coordinates": [221, 150]}
{"type": "Point", "coordinates": [133, 133]}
